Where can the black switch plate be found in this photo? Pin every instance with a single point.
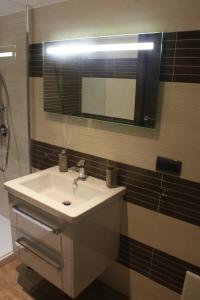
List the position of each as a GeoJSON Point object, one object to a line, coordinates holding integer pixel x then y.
{"type": "Point", "coordinates": [168, 165]}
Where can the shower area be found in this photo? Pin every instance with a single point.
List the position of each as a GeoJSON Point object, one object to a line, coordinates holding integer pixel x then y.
{"type": "Point", "coordinates": [14, 108]}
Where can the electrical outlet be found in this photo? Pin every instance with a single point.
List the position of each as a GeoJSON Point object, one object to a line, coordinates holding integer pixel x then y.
{"type": "Point", "coordinates": [168, 165]}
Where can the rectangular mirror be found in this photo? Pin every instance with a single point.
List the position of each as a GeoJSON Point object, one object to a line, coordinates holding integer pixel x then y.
{"type": "Point", "coordinates": [112, 78]}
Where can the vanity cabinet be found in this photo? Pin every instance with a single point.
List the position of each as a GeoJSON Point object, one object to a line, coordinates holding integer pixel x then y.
{"type": "Point", "coordinates": [69, 255]}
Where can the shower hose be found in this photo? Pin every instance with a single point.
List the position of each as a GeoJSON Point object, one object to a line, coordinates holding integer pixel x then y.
{"type": "Point", "coordinates": [4, 125]}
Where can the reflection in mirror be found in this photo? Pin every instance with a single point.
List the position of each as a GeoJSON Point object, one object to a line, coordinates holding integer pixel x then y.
{"type": "Point", "coordinates": [112, 78]}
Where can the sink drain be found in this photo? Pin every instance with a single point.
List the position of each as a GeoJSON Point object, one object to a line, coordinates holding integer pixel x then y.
{"type": "Point", "coordinates": [67, 203]}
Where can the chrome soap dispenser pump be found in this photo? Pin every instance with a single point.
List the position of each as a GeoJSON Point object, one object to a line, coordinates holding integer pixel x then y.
{"type": "Point", "coordinates": [62, 161]}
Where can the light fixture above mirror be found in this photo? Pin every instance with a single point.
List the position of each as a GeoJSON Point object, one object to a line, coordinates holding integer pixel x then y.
{"type": "Point", "coordinates": [74, 49]}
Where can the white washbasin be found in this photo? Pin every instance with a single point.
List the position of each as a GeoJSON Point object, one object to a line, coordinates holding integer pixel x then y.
{"type": "Point", "coordinates": [60, 188]}
{"type": "Point", "coordinates": [48, 190]}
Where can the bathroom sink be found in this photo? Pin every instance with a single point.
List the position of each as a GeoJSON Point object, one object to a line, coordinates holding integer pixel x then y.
{"type": "Point", "coordinates": [54, 191]}
{"type": "Point", "coordinates": [60, 188]}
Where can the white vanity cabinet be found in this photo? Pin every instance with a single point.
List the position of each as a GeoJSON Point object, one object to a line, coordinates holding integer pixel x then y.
{"type": "Point", "coordinates": [69, 255]}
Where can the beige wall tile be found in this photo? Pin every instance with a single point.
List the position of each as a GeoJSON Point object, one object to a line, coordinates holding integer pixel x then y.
{"type": "Point", "coordinates": [167, 234]}
{"type": "Point", "coordinates": [135, 285]}
{"type": "Point", "coordinates": [140, 224]}
{"type": "Point", "coordinates": [179, 239]}
{"type": "Point", "coordinates": [176, 137]}
{"type": "Point", "coordinates": [76, 18]}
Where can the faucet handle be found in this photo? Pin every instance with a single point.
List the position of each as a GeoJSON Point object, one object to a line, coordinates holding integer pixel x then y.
{"type": "Point", "coordinates": [81, 163]}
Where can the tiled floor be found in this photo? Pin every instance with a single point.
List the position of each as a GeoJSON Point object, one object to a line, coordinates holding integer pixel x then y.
{"type": "Point", "coordinates": [19, 283]}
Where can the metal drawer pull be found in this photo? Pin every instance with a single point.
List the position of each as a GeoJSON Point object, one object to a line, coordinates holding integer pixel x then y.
{"type": "Point", "coordinates": [35, 221]}
{"type": "Point", "coordinates": [25, 244]}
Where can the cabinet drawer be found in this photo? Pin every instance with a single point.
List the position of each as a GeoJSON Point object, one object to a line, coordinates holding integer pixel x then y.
{"type": "Point", "coordinates": [43, 263]}
{"type": "Point", "coordinates": [36, 227]}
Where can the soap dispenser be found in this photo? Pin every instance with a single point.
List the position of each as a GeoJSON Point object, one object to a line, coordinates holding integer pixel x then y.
{"type": "Point", "coordinates": [62, 161]}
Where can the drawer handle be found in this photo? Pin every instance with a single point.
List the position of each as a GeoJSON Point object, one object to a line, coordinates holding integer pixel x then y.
{"type": "Point", "coordinates": [22, 243]}
{"type": "Point", "coordinates": [35, 221]}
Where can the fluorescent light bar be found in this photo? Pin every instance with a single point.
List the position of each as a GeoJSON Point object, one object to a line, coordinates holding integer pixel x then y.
{"type": "Point", "coordinates": [6, 54]}
{"type": "Point", "coordinates": [88, 48]}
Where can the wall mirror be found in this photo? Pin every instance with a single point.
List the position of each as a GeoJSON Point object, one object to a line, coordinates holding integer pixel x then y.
{"type": "Point", "coordinates": [112, 78]}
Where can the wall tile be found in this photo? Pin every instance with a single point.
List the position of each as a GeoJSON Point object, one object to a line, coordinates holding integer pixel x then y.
{"type": "Point", "coordinates": [182, 201]}
{"type": "Point", "coordinates": [155, 264]}
{"type": "Point", "coordinates": [166, 194]}
{"type": "Point", "coordinates": [135, 255]}
{"type": "Point", "coordinates": [180, 57]}
{"type": "Point", "coordinates": [141, 224]}
{"type": "Point", "coordinates": [143, 186]}
{"type": "Point", "coordinates": [170, 271]}
{"type": "Point", "coordinates": [36, 60]}
{"type": "Point", "coordinates": [135, 285]}
{"type": "Point", "coordinates": [170, 235]}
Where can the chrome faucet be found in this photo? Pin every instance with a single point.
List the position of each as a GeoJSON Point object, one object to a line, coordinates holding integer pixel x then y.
{"type": "Point", "coordinates": [81, 166]}
{"type": "Point", "coordinates": [81, 170]}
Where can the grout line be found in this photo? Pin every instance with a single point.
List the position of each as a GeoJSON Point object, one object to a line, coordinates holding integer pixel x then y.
{"type": "Point", "coordinates": [160, 196]}
{"type": "Point", "coordinates": [174, 58]}
{"type": "Point", "coordinates": [107, 163]}
{"type": "Point", "coordinates": [151, 262]}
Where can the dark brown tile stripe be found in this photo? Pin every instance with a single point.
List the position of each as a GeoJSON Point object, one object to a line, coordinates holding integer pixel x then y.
{"type": "Point", "coordinates": [169, 36]}
{"type": "Point", "coordinates": [181, 200]}
{"type": "Point", "coordinates": [62, 86]}
{"type": "Point", "coordinates": [46, 156]}
{"type": "Point", "coordinates": [165, 77]}
{"type": "Point", "coordinates": [36, 60]}
{"type": "Point", "coordinates": [180, 63]}
{"type": "Point", "coordinates": [189, 35]}
{"type": "Point", "coordinates": [143, 186]}
{"type": "Point", "coordinates": [187, 78]}
{"type": "Point", "coordinates": [181, 57]}
{"type": "Point", "coordinates": [109, 68]}
{"type": "Point", "coordinates": [135, 255]}
{"type": "Point", "coordinates": [170, 271]}
{"type": "Point", "coordinates": [159, 266]}
{"type": "Point", "coordinates": [95, 166]}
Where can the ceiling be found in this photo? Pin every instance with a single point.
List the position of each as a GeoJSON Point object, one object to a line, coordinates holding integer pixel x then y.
{"type": "Point", "coordinates": [12, 6]}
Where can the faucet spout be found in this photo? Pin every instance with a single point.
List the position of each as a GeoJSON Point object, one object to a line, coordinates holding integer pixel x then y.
{"type": "Point", "coordinates": [82, 176]}
{"type": "Point", "coordinates": [81, 165]}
